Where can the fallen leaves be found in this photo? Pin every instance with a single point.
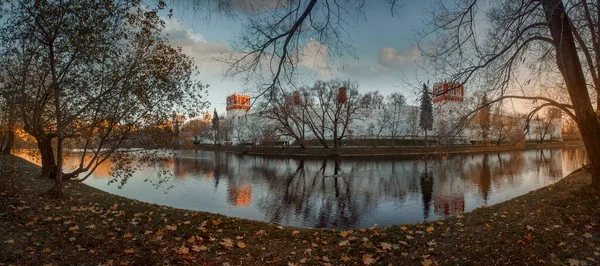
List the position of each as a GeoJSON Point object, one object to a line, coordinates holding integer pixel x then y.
{"type": "Point", "coordinates": [197, 248]}
{"type": "Point", "coordinates": [182, 250]}
{"type": "Point", "coordinates": [241, 244]}
{"type": "Point", "coordinates": [385, 246]}
{"type": "Point", "coordinates": [368, 259]}
{"type": "Point", "coordinates": [227, 243]}
{"type": "Point", "coordinates": [129, 251]}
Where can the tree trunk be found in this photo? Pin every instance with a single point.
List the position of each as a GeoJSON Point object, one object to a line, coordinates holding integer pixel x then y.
{"type": "Point", "coordinates": [301, 143]}
{"type": "Point", "coordinates": [570, 67]}
{"type": "Point", "coordinates": [336, 142]}
{"type": "Point", "coordinates": [11, 140]}
{"type": "Point", "coordinates": [425, 138]}
{"type": "Point", "coordinates": [56, 191]}
{"type": "Point", "coordinates": [47, 154]}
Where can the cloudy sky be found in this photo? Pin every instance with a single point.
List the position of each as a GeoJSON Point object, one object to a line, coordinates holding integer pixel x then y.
{"type": "Point", "coordinates": [386, 57]}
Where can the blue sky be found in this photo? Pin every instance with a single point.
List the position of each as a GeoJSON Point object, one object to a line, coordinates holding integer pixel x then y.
{"type": "Point", "coordinates": [386, 55]}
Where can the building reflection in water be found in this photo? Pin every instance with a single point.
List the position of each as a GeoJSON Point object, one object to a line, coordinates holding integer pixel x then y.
{"type": "Point", "coordinates": [349, 192]}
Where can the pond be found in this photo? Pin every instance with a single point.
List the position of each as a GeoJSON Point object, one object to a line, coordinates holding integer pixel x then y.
{"type": "Point", "coordinates": [344, 193]}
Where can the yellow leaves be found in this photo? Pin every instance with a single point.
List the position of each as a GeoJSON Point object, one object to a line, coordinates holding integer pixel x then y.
{"type": "Point", "coordinates": [385, 246]}
{"type": "Point", "coordinates": [368, 259]}
{"type": "Point", "coordinates": [216, 222]}
{"type": "Point", "coordinates": [182, 250]}
{"type": "Point", "coordinates": [344, 243]}
{"type": "Point", "coordinates": [128, 235]}
{"type": "Point", "coordinates": [427, 262]}
{"type": "Point", "coordinates": [528, 237]}
{"type": "Point", "coordinates": [430, 229]}
{"type": "Point", "coordinates": [346, 233]}
{"type": "Point", "coordinates": [295, 233]}
{"type": "Point", "coordinates": [172, 227]}
{"type": "Point", "coordinates": [260, 232]}
{"type": "Point", "coordinates": [10, 241]}
{"type": "Point", "coordinates": [344, 259]}
{"type": "Point", "coordinates": [241, 244]}
{"type": "Point", "coordinates": [91, 226]}
{"type": "Point", "coordinates": [197, 248]}
{"type": "Point", "coordinates": [529, 228]}
{"type": "Point", "coordinates": [403, 228]}
{"type": "Point", "coordinates": [368, 245]}
{"type": "Point", "coordinates": [74, 228]}
{"type": "Point", "coordinates": [227, 243]}
{"type": "Point", "coordinates": [129, 251]}
{"type": "Point", "coordinates": [46, 250]}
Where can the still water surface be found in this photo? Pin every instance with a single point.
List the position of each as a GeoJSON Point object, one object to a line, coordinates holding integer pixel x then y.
{"type": "Point", "coordinates": [342, 193]}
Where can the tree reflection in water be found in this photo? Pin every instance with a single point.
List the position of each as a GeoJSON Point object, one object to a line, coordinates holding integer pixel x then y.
{"type": "Point", "coordinates": [350, 192]}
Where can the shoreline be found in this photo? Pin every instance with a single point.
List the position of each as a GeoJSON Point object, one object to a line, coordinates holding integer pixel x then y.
{"type": "Point", "coordinates": [554, 224]}
{"type": "Point", "coordinates": [407, 152]}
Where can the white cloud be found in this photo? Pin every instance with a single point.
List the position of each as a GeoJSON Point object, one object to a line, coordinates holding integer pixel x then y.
{"type": "Point", "coordinates": [206, 55]}
{"type": "Point", "coordinates": [388, 56]}
{"type": "Point", "coordinates": [314, 56]}
{"type": "Point", "coordinates": [254, 6]}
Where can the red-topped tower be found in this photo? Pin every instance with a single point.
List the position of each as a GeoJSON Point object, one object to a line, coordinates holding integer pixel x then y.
{"type": "Point", "coordinates": [238, 101]}
{"type": "Point", "coordinates": [448, 91]}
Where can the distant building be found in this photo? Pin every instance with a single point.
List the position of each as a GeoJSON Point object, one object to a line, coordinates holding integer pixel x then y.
{"type": "Point", "coordinates": [449, 107]}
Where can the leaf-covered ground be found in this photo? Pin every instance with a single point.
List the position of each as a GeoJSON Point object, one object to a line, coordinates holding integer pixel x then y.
{"type": "Point", "coordinates": [558, 224]}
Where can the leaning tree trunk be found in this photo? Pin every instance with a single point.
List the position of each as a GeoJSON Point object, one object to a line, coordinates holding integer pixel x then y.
{"type": "Point", "coordinates": [47, 155]}
{"type": "Point", "coordinates": [571, 70]}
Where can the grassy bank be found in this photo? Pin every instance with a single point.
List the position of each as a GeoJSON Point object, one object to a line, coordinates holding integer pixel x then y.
{"type": "Point", "coordinates": [406, 152]}
{"type": "Point", "coordinates": [558, 224]}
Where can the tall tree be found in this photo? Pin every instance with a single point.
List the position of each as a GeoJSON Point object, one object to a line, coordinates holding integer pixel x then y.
{"type": "Point", "coordinates": [215, 126]}
{"type": "Point", "coordinates": [546, 42]}
{"type": "Point", "coordinates": [426, 115]}
{"type": "Point", "coordinates": [483, 118]}
{"type": "Point", "coordinates": [396, 102]}
{"type": "Point", "coordinates": [87, 80]}
{"type": "Point", "coordinates": [332, 107]}
{"type": "Point", "coordinates": [287, 110]}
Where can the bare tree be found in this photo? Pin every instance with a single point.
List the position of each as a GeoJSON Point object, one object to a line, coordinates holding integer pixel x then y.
{"type": "Point", "coordinates": [287, 111]}
{"type": "Point", "coordinates": [396, 103]}
{"type": "Point", "coordinates": [373, 103]}
{"type": "Point", "coordinates": [506, 127]}
{"type": "Point", "coordinates": [547, 124]}
{"type": "Point", "coordinates": [551, 36]}
{"type": "Point", "coordinates": [332, 107]}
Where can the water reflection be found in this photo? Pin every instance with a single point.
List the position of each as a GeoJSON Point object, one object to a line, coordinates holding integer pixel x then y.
{"type": "Point", "coordinates": [345, 193]}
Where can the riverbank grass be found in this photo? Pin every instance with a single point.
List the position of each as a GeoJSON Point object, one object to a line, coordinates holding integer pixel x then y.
{"type": "Point", "coordinates": [554, 225]}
